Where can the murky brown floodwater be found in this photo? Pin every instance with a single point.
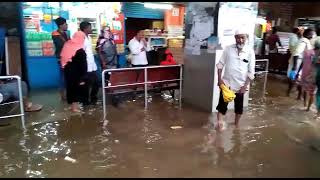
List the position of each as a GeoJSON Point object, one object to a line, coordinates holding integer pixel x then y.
{"type": "Point", "coordinates": [276, 138]}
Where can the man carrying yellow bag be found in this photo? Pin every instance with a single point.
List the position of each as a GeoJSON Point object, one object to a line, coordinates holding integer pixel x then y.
{"type": "Point", "coordinates": [228, 95]}
{"type": "Point", "coordinates": [238, 62]}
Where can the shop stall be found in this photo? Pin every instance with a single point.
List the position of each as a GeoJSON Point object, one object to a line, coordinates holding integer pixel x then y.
{"type": "Point", "coordinates": [38, 23]}
{"type": "Point", "coordinates": [164, 28]}
{"type": "Point", "coordinates": [278, 62]}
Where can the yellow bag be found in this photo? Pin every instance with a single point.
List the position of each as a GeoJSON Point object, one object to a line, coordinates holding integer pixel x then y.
{"type": "Point", "coordinates": [228, 95]}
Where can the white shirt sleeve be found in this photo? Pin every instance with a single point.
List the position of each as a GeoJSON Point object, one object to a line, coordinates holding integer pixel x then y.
{"type": "Point", "coordinates": [252, 65]}
{"type": "Point", "coordinates": [134, 48]}
{"type": "Point", "coordinates": [223, 58]}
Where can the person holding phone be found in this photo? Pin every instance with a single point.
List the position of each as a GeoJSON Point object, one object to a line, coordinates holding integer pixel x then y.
{"type": "Point", "coordinates": [138, 48]}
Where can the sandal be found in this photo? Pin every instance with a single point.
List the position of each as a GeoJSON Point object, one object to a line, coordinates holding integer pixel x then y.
{"type": "Point", "coordinates": [33, 107]}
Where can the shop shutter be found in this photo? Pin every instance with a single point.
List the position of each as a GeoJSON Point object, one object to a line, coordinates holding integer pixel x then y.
{"type": "Point", "coordinates": [137, 10]}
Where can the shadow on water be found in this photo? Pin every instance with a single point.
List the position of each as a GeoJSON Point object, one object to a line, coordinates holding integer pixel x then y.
{"type": "Point", "coordinates": [276, 138]}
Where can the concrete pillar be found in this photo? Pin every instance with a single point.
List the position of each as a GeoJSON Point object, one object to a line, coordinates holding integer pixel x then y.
{"type": "Point", "coordinates": [200, 73]}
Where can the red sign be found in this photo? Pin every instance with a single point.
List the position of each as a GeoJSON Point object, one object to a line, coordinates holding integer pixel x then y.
{"type": "Point", "coordinates": [118, 32]}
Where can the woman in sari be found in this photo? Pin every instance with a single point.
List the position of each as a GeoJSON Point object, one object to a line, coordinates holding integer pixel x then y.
{"type": "Point", "coordinates": [74, 63]}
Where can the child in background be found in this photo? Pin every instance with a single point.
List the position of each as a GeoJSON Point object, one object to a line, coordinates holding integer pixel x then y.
{"type": "Point", "coordinates": [169, 59]}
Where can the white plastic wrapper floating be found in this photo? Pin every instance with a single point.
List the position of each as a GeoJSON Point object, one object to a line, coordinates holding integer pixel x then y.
{"type": "Point", "coordinates": [176, 127]}
{"type": "Point", "coordinates": [67, 158]}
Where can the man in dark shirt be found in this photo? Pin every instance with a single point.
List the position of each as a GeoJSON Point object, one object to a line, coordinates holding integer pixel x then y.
{"type": "Point", "coordinates": [272, 41]}
{"type": "Point", "coordinates": [59, 37]}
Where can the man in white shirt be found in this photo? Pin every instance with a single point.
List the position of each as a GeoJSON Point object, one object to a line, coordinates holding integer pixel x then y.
{"type": "Point", "coordinates": [293, 43]}
{"type": "Point", "coordinates": [238, 61]}
{"type": "Point", "coordinates": [294, 39]}
{"type": "Point", "coordinates": [138, 48]}
{"type": "Point", "coordinates": [91, 79]}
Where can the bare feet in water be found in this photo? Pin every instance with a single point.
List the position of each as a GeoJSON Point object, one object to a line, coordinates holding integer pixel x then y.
{"type": "Point", "coordinates": [75, 108]}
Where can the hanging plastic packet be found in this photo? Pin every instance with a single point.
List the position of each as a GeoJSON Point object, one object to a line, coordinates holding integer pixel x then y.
{"type": "Point", "coordinates": [228, 95]}
{"type": "Point", "coordinates": [292, 75]}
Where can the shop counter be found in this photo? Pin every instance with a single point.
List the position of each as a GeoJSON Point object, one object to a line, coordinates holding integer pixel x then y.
{"type": "Point", "coordinates": [278, 63]}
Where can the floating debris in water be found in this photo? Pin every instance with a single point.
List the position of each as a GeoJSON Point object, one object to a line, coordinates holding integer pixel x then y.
{"type": "Point", "coordinates": [67, 158]}
{"type": "Point", "coordinates": [176, 127]}
{"type": "Point", "coordinates": [116, 141]}
{"type": "Point", "coordinates": [260, 167]}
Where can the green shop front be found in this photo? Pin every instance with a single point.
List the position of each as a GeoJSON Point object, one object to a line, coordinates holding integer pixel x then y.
{"type": "Point", "coordinates": [42, 69]}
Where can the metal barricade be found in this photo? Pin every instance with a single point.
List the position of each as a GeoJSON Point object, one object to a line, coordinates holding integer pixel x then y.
{"type": "Point", "coordinates": [19, 101]}
{"type": "Point", "coordinates": [266, 70]}
{"type": "Point", "coordinates": [146, 82]}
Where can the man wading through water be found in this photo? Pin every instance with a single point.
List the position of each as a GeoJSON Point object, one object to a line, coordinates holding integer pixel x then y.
{"type": "Point", "coordinates": [238, 60]}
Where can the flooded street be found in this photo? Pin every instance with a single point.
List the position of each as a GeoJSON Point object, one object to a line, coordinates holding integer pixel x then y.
{"type": "Point", "coordinates": [276, 138]}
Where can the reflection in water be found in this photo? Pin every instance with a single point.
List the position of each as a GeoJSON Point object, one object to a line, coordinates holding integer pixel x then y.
{"type": "Point", "coordinates": [149, 134]}
{"type": "Point", "coordinates": [102, 156]}
{"type": "Point", "coordinates": [276, 138]}
{"type": "Point", "coordinates": [223, 145]}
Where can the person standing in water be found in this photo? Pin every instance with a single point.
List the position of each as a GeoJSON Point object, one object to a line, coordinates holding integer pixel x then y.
{"type": "Point", "coordinates": [59, 37]}
{"type": "Point", "coordinates": [107, 49]}
{"type": "Point", "coordinates": [307, 75]}
{"type": "Point", "coordinates": [238, 60]}
{"type": "Point", "coordinates": [316, 63]}
{"type": "Point", "coordinates": [74, 63]}
{"type": "Point", "coordinates": [92, 84]}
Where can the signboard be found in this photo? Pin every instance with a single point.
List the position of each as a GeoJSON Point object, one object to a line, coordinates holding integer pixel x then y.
{"type": "Point", "coordinates": [175, 11]}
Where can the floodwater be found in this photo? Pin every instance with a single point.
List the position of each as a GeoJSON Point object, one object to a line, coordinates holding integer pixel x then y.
{"type": "Point", "coordinates": [276, 138]}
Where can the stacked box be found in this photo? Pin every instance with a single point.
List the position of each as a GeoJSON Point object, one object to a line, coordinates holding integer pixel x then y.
{"type": "Point", "coordinates": [175, 30]}
{"type": "Point", "coordinates": [175, 43]}
{"type": "Point", "coordinates": [35, 52]}
{"type": "Point", "coordinates": [34, 45]}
